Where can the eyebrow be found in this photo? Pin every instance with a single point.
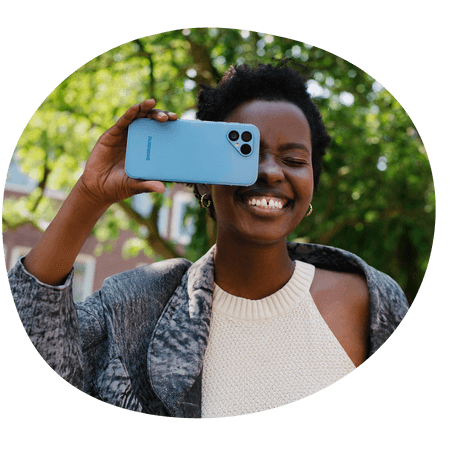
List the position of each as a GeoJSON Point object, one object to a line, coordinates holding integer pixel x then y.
{"type": "Point", "coordinates": [289, 146]}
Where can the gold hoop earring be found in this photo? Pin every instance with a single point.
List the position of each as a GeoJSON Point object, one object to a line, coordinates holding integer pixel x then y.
{"type": "Point", "coordinates": [310, 210]}
{"type": "Point", "coordinates": [202, 201]}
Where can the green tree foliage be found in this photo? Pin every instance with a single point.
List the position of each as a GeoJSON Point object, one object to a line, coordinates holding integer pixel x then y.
{"type": "Point", "coordinates": [376, 195]}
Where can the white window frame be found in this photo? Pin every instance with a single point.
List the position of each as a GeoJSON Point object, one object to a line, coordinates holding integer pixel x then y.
{"type": "Point", "coordinates": [180, 198]}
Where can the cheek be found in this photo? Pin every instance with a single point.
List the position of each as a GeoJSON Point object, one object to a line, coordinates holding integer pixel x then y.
{"type": "Point", "coordinates": [303, 182]}
{"type": "Point", "coordinates": [222, 197]}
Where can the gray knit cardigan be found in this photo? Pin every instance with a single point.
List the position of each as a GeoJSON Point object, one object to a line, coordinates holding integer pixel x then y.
{"type": "Point", "coordinates": [139, 342]}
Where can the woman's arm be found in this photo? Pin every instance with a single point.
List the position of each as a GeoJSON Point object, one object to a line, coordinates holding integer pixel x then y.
{"type": "Point", "coordinates": [102, 183]}
{"type": "Point", "coordinates": [52, 258]}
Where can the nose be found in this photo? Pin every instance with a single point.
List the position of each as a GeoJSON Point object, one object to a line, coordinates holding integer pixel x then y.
{"type": "Point", "coordinates": [269, 170]}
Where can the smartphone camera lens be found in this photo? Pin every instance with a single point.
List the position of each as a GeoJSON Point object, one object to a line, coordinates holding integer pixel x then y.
{"type": "Point", "coordinates": [246, 149]}
{"type": "Point", "coordinates": [246, 136]}
{"type": "Point", "coordinates": [233, 135]}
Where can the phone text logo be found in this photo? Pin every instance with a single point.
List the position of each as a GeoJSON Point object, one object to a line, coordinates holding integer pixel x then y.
{"type": "Point", "coordinates": [149, 146]}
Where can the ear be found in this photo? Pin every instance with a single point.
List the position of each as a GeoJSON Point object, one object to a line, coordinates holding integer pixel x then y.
{"type": "Point", "coordinates": [204, 189]}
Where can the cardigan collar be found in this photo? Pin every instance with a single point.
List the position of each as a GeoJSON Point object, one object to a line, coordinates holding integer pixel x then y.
{"type": "Point", "coordinates": [178, 345]}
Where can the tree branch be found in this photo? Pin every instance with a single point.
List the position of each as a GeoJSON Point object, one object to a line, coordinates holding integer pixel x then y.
{"type": "Point", "coordinates": [42, 184]}
{"type": "Point", "coordinates": [154, 239]}
{"type": "Point", "coordinates": [147, 55]}
{"type": "Point", "coordinates": [206, 72]}
{"type": "Point", "coordinates": [21, 224]}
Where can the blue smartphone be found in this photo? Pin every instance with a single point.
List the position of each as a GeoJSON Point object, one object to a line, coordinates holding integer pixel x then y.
{"type": "Point", "coordinates": [193, 151]}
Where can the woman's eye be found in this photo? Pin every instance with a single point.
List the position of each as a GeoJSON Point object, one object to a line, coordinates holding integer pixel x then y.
{"type": "Point", "coordinates": [294, 162]}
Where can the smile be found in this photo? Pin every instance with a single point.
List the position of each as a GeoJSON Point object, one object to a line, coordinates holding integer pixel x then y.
{"type": "Point", "coordinates": [267, 202]}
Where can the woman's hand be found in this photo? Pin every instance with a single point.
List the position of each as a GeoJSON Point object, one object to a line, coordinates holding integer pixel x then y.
{"type": "Point", "coordinates": [104, 178]}
{"type": "Point", "coordinates": [102, 183]}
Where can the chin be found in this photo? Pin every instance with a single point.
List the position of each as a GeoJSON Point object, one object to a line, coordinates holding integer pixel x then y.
{"type": "Point", "coordinates": [262, 235]}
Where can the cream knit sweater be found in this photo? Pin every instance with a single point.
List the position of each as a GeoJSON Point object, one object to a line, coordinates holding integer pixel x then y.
{"type": "Point", "coordinates": [265, 353]}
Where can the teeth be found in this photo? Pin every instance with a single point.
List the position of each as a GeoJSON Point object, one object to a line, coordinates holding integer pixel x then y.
{"type": "Point", "coordinates": [271, 204]}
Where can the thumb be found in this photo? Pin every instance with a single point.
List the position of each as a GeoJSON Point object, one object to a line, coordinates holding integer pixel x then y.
{"type": "Point", "coordinates": [148, 186]}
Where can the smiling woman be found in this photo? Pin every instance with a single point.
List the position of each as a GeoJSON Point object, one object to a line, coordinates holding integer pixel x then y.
{"type": "Point", "coordinates": [258, 287]}
{"type": "Point", "coordinates": [257, 322]}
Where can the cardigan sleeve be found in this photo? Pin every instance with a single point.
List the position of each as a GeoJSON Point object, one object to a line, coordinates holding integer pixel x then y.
{"type": "Point", "coordinates": [100, 345]}
{"type": "Point", "coordinates": [51, 320]}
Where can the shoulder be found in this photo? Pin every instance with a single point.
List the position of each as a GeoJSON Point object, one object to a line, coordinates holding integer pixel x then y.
{"type": "Point", "coordinates": [340, 291]}
{"type": "Point", "coordinates": [343, 301]}
{"type": "Point", "coordinates": [347, 272]}
{"type": "Point", "coordinates": [326, 257]}
{"type": "Point", "coordinates": [159, 278]}
{"type": "Point", "coordinates": [338, 273]}
{"type": "Point", "coordinates": [341, 294]}
{"type": "Point", "coordinates": [169, 268]}
{"type": "Point", "coordinates": [346, 263]}
{"type": "Point", "coordinates": [344, 284]}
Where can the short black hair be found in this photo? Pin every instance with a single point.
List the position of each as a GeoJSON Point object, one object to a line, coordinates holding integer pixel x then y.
{"type": "Point", "coordinates": [270, 82]}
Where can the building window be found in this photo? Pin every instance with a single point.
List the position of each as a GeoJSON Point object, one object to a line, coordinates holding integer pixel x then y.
{"type": "Point", "coordinates": [143, 204]}
{"type": "Point", "coordinates": [83, 281]}
{"type": "Point", "coordinates": [182, 231]}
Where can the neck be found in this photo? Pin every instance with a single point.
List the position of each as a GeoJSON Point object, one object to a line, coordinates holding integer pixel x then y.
{"type": "Point", "coordinates": [250, 270]}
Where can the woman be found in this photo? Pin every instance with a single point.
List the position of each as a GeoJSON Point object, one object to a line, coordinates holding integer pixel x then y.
{"type": "Point", "coordinates": [256, 322]}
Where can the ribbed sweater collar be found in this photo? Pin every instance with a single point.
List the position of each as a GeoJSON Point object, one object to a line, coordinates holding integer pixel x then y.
{"type": "Point", "coordinates": [269, 307]}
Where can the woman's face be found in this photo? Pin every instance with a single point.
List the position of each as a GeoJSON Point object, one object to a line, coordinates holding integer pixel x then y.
{"type": "Point", "coordinates": [285, 176]}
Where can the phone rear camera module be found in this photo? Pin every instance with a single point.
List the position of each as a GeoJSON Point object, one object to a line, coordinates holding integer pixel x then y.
{"type": "Point", "coordinates": [246, 136]}
{"type": "Point", "coordinates": [246, 149]}
{"type": "Point", "coordinates": [233, 135]}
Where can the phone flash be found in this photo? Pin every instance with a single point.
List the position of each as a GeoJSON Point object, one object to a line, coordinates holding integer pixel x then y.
{"type": "Point", "coordinates": [237, 145]}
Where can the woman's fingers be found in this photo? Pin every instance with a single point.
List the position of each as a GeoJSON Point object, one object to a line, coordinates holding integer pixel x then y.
{"type": "Point", "coordinates": [137, 110]}
{"type": "Point", "coordinates": [140, 110]}
{"type": "Point", "coordinates": [161, 116]}
{"type": "Point", "coordinates": [138, 186]}
{"type": "Point", "coordinates": [171, 115]}
{"type": "Point", "coordinates": [145, 108]}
